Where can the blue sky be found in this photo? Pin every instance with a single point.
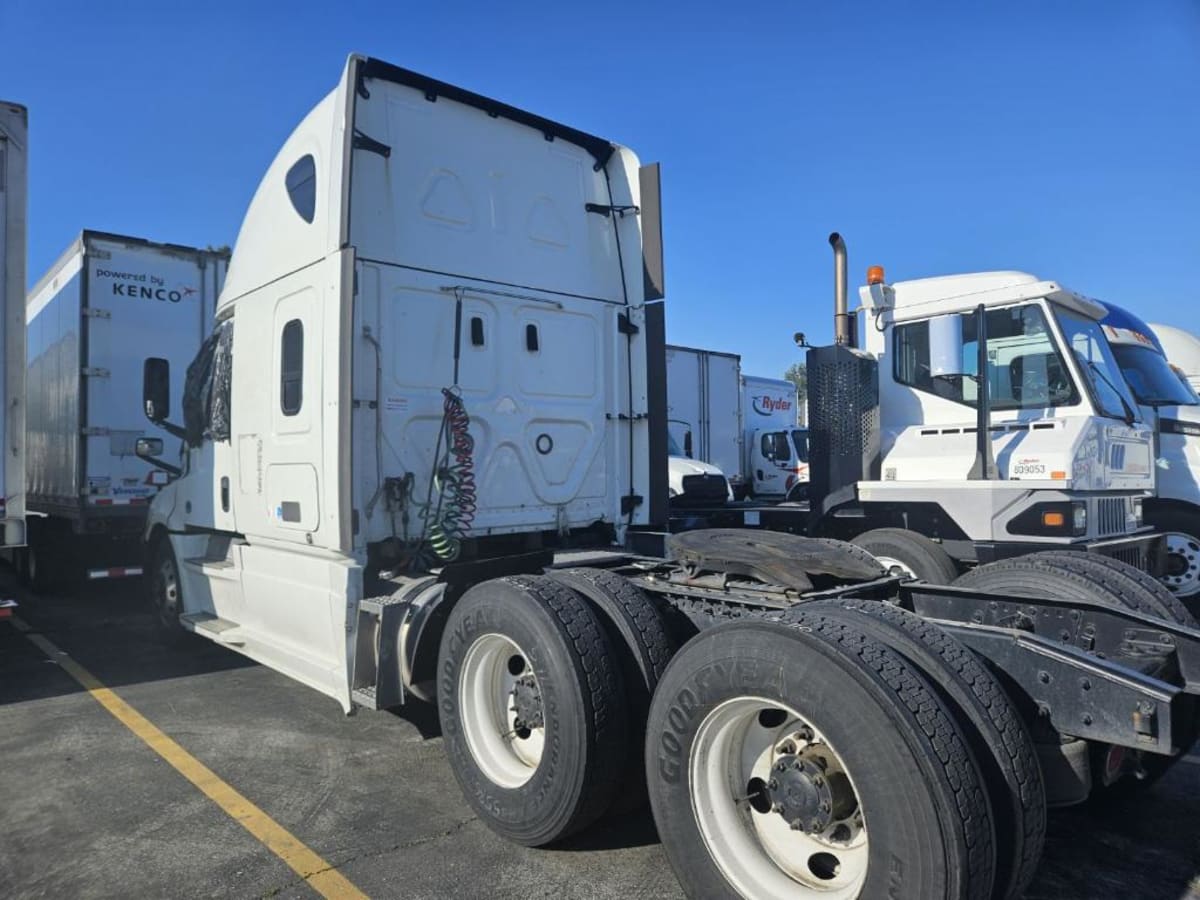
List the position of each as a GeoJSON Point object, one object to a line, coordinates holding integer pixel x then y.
{"type": "Point", "coordinates": [1057, 137]}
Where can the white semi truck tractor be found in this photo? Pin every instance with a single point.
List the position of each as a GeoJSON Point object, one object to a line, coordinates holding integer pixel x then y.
{"type": "Point", "coordinates": [935, 469]}
{"type": "Point", "coordinates": [426, 462]}
{"type": "Point", "coordinates": [1172, 406]}
{"type": "Point", "coordinates": [1182, 349]}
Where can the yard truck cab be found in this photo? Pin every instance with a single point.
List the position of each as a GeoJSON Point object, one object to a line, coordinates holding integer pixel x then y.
{"type": "Point", "coordinates": [432, 411]}
{"type": "Point", "coordinates": [1171, 405]}
{"type": "Point", "coordinates": [1046, 451]}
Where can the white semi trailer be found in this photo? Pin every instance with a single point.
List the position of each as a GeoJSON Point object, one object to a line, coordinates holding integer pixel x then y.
{"type": "Point", "coordinates": [14, 155]}
{"type": "Point", "coordinates": [108, 302]}
{"type": "Point", "coordinates": [413, 480]}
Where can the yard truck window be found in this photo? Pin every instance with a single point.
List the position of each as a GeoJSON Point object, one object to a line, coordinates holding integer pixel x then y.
{"type": "Point", "coordinates": [1025, 367]}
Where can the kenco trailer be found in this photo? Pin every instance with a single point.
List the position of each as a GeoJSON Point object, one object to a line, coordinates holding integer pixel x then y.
{"type": "Point", "coordinates": [13, 161]}
{"type": "Point", "coordinates": [405, 485]}
{"type": "Point", "coordinates": [107, 303]}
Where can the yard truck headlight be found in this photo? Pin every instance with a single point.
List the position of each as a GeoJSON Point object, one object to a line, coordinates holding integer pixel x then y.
{"type": "Point", "coordinates": [1138, 514]}
{"type": "Point", "coordinates": [1079, 517]}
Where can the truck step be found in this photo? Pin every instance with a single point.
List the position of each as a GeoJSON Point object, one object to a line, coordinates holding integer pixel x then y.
{"type": "Point", "coordinates": [220, 630]}
{"type": "Point", "coordinates": [365, 697]}
{"type": "Point", "coordinates": [215, 567]}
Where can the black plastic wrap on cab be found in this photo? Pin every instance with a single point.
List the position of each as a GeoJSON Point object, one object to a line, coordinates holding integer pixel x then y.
{"type": "Point", "coordinates": [206, 389]}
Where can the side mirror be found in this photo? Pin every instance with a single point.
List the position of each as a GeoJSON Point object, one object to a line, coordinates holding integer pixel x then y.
{"type": "Point", "coordinates": [687, 444]}
{"type": "Point", "coordinates": [156, 389]}
{"type": "Point", "coordinates": [946, 346]}
{"type": "Point", "coordinates": [148, 448]}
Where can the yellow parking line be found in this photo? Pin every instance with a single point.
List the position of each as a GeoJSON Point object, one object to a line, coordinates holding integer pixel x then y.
{"type": "Point", "coordinates": [326, 880]}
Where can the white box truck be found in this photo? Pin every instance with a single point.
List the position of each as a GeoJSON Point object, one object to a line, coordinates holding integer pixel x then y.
{"type": "Point", "coordinates": [13, 162]}
{"type": "Point", "coordinates": [704, 423]}
{"type": "Point", "coordinates": [107, 303]}
{"type": "Point", "coordinates": [406, 485]}
{"type": "Point", "coordinates": [742, 425]}
{"type": "Point", "coordinates": [776, 448]}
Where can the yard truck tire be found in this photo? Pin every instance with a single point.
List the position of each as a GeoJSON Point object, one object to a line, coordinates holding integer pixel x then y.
{"type": "Point", "coordinates": [1180, 528]}
{"type": "Point", "coordinates": [807, 759]}
{"type": "Point", "coordinates": [1115, 772]}
{"type": "Point", "coordinates": [904, 552]}
{"type": "Point", "coordinates": [993, 726]}
{"type": "Point", "coordinates": [642, 645]}
{"type": "Point", "coordinates": [530, 700]}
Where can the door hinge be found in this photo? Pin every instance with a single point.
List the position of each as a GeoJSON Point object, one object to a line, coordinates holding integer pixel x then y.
{"type": "Point", "coordinates": [607, 211]}
{"type": "Point", "coordinates": [89, 431]}
{"type": "Point", "coordinates": [95, 312]}
{"type": "Point", "coordinates": [368, 143]}
{"type": "Point", "coordinates": [629, 503]}
{"type": "Point", "coordinates": [625, 324]}
{"type": "Point", "coordinates": [622, 417]}
{"type": "Point", "coordinates": [94, 372]}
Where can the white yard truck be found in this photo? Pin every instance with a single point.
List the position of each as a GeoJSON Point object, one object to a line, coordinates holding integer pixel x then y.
{"type": "Point", "coordinates": [1182, 349]}
{"type": "Point", "coordinates": [426, 462]}
{"type": "Point", "coordinates": [105, 305]}
{"type": "Point", "coordinates": [743, 425]}
{"type": "Point", "coordinates": [1173, 407]}
{"type": "Point", "coordinates": [934, 475]}
{"type": "Point", "coordinates": [14, 154]}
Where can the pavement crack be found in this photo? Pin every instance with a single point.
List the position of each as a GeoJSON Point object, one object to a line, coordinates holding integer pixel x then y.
{"type": "Point", "coordinates": [449, 831]}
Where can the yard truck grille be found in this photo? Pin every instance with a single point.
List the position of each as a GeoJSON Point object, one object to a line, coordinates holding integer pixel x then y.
{"type": "Point", "coordinates": [1111, 516]}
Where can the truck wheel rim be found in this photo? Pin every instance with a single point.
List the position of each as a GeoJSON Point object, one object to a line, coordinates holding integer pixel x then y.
{"type": "Point", "coordinates": [775, 805]}
{"type": "Point", "coordinates": [1183, 564]}
{"type": "Point", "coordinates": [896, 566]}
{"type": "Point", "coordinates": [502, 715]}
{"type": "Point", "coordinates": [168, 592]}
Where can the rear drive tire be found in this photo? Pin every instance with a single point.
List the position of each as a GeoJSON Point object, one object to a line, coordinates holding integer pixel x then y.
{"type": "Point", "coordinates": [1074, 576]}
{"type": "Point", "coordinates": [524, 666]}
{"type": "Point", "coordinates": [643, 646]}
{"type": "Point", "coordinates": [996, 734]}
{"type": "Point", "coordinates": [761, 726]}
{"type": "Point", "coordinates": [1136, 589]}
{"type": "Point", "coordinates": [904, 552]}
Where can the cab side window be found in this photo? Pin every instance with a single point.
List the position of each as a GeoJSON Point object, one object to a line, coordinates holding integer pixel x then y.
{"type": "Point", "coordinates": [291, 369]}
